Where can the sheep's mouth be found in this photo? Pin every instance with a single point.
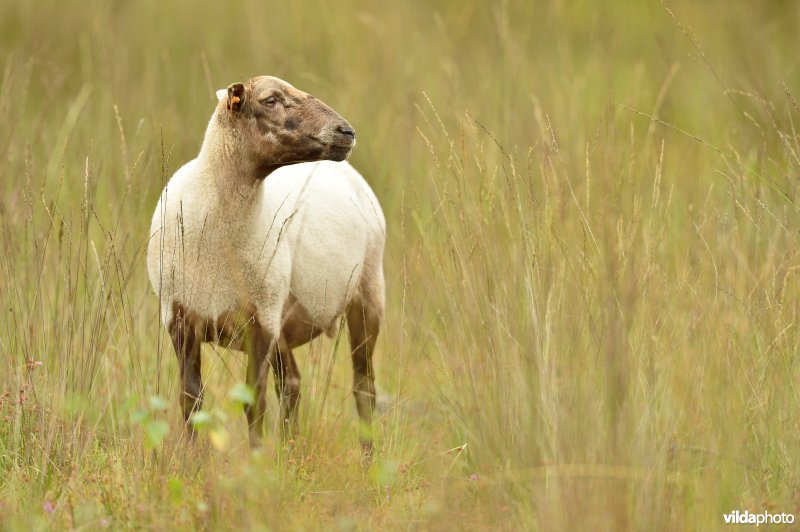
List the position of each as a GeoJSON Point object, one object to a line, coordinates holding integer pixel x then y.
{"type": "Point", "coordinates": [332, 145]}
{"type": "Point", "coordinates": [331, 151]}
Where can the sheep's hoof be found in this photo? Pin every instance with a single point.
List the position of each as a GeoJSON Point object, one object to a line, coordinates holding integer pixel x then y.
{"type": "Point", "coordinates": [367, 452]}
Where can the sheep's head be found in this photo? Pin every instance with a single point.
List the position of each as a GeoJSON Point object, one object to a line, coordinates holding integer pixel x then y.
{"type": "Point", "coordinates": [281, 125]}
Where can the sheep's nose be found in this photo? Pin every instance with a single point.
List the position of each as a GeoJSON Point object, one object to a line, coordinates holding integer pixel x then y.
{"type": "Point", "coordinates": [347, 130]}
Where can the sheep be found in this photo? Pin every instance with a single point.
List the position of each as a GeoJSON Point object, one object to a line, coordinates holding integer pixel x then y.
{"type": "Point", "coordinates": [266, 240]}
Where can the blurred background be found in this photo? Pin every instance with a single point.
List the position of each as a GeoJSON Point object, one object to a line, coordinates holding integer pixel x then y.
{"type": "Point", "coordinates": [592, 254]}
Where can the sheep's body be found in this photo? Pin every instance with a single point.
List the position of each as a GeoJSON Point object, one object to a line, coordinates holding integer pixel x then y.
{"type": "Point", "coordinates": [299, 251]}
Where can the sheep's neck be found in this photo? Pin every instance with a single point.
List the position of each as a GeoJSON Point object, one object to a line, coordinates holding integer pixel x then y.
{"type": "Point", "coordinates": [237, 175]}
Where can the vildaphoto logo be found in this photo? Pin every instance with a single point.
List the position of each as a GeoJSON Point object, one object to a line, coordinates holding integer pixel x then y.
{"type": "Point", "coordinates": [764, 518]}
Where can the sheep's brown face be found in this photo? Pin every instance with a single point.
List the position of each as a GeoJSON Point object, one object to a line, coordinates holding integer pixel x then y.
{"type": "Point", "coordinates": [283, 125]}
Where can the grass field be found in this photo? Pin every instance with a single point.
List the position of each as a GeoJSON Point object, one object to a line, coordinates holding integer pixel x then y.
{"type": "Point", "coordinates": [593, 266]}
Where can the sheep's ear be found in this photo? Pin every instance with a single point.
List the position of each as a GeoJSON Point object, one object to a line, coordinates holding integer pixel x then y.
{"type": "Point", "coordinates": [236, 97]}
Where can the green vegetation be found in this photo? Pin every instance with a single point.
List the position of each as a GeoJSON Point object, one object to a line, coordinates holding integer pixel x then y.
{"type": "Point", "coordinates": [592, 265]}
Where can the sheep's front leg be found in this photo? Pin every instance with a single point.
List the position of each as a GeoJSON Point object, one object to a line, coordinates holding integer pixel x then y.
{"type": "Point", "coordinates": [363, 322]}
{"type": "Point", "coordinates": [287, 387]}
{"type": "Point", "coordinates": [257, 373]}
{"type": "Point", "coordinates": [187, 348]}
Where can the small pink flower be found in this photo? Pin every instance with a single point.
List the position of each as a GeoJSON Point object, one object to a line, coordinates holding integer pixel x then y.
{"type": "Point", "coordinates": [49, 507]}
{"type": "Point", "coordinates": [473, 477]}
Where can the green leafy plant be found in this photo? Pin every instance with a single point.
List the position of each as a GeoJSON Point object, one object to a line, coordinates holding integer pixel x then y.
{"type": "Point", "coordinates": [149, 418]}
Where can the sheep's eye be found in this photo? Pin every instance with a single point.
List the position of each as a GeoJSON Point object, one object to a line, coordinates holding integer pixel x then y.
{"type": "Point", "coordinates": [271, 100]}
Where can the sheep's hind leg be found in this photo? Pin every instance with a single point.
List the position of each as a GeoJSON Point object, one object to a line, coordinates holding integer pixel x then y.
{"type": "Point", "coordinates": [258, 349]}
{"type": "Point", "coordinates": [363, 322]}
{"type": "Point", "coordinates": [186, 342]}
{"type": "Point", "coordinates": [287, 388]}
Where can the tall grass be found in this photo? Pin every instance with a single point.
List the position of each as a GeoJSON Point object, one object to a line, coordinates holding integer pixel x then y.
{"type": "Point", "coordinates": [592, 265]}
